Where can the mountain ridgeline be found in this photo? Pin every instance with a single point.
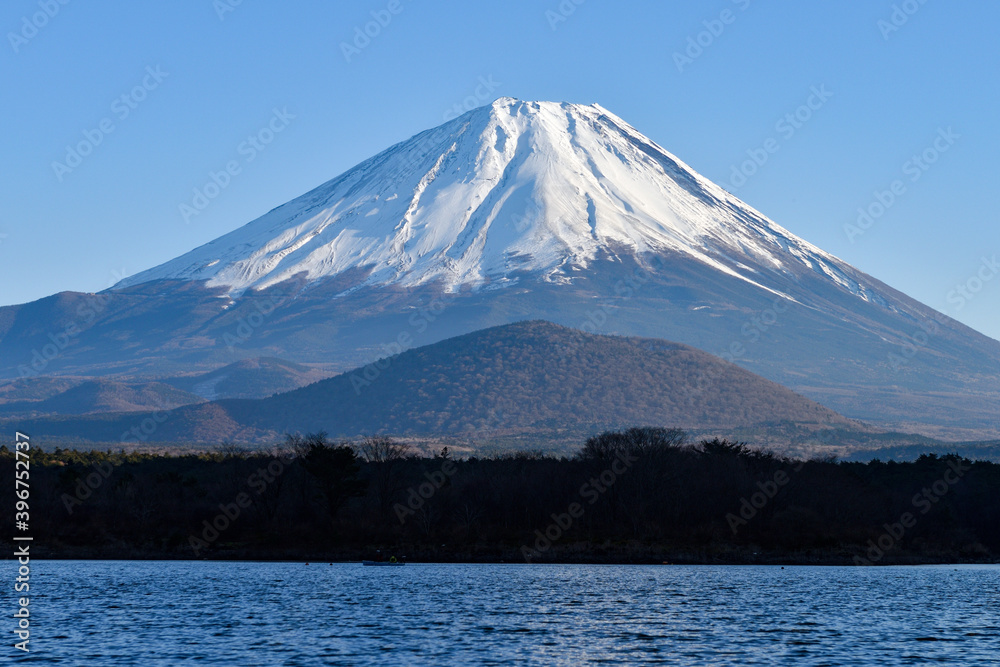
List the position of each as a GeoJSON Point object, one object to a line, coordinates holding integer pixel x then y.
{"type": "Point", "coordinates": [537, 376]}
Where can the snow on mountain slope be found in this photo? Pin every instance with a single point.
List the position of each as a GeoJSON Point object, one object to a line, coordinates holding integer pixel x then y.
{"type": "Point", "coordinates": [516, 186]}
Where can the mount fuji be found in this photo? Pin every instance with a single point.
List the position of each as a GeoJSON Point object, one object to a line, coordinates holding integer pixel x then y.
{"type": "Point", "coordinates": [515, 187]}
{"type": "Point", "coordinates": [525, 210]}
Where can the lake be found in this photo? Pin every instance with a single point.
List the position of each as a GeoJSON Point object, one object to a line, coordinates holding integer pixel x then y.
{"type": "Point", "coordinates": [215, 613]}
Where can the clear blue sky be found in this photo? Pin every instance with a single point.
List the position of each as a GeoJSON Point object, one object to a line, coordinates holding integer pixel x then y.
{"type": "Point", "coordinates": [118, 210]}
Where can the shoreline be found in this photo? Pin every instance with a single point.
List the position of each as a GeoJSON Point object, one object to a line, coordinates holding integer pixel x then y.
{"type": "Point", "coordinates": [833, 558]}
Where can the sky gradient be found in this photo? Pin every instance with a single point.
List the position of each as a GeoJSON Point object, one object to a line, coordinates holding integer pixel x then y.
{"type": "Point", "coordinates": [807, 111]}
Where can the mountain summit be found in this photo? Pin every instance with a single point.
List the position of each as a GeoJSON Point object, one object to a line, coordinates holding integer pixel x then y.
{"type": "Point", "coordinates": [519, 211]}
{"type": "Point", "coordinates": [537, 187]}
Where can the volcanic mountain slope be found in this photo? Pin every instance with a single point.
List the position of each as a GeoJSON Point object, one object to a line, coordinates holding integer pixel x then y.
{"type": "Point", "coordinates": [514, 211]}
{"type": "Point", "coordinates": [517, 187]}
{"type": "Point", "coordinates": [527, 377]}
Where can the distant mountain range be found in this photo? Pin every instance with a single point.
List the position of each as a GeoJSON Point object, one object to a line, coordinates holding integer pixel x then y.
{"type": "Point", "coordinates": [66, 395]}
{"type": "Point", "coordinates": [517, 211]}
{"type": "Point", "coordinates": [249, 378]}
{"type": "Point", "coordinates": [93, 396]}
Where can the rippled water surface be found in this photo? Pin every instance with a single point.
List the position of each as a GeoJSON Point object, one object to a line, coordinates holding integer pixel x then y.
{"type": "Point", "coordinates": [170, 613]}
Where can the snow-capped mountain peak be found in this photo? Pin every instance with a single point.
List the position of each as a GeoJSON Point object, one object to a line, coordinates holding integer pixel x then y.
{"type": "Point", "coordinates": [512, 187]}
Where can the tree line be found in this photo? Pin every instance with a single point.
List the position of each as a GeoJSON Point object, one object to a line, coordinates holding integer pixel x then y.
{"type": "Point", "coordinates": [637, 495]}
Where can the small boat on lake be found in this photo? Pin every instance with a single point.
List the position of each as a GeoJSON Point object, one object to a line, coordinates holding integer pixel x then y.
{"type": "Point", "coordinates": [375, 563]}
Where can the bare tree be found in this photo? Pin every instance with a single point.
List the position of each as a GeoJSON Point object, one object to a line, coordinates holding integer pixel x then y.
{"type": "Point", "coordinates": [384, 456]}
{"type": "Point", "coordinates": [380, 449]}
{"type": "Point", "coordinates": [639, 442]}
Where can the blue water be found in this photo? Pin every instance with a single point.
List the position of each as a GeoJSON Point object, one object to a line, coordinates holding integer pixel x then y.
{"type": "Point", "coordinates": [171, 613]}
